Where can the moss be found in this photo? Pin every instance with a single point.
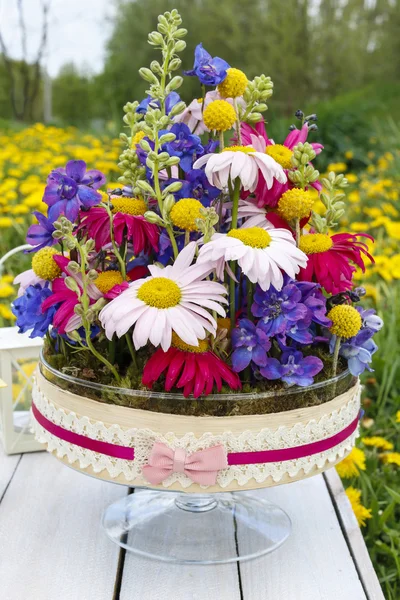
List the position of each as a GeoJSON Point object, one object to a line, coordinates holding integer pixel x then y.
{"type": "Point", "coordinates": [84, 366]}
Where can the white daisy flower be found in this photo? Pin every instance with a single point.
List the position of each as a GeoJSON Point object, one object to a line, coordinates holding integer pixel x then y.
{"type": "Point", "coordinates": [172, 299]}
{"type": "Point", "coordinates": [243, 162]}
{"type": "Point", "coordinates": [263, 253]}
{"type": "Point", "coordinates": [256, 216]}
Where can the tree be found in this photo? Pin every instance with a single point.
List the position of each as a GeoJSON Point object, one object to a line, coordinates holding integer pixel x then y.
{"type": "Point", "coordinates": [24, 78]}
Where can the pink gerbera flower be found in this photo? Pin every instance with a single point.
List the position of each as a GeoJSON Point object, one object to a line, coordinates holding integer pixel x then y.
{"type": "Point", "coordinates": [196, 369]}
{"type": "Point", "coordinates": [331, 259]}
{"type": "Point", "coordinates": [281, 153]}
{"type": "Point", "coordinates": [128, 221]}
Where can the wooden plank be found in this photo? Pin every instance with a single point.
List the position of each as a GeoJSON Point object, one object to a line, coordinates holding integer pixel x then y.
{"type": "Point", "coordinates": [353, 536]}
{"type": "Point", "coordinates": [8, 466]}
{"type": "Point", "coordinates": [51, 541]}
{"type": "Point", "coordinates": [152, 580]}
{"type": "Point", "coordinates": [315, 562]}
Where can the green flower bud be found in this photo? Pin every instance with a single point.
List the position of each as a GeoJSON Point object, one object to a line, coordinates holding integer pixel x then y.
{"type": "Point", "coordinates": [145, 145]}
{"type": "Point", "coordinates": [92, 275]}
{"type": "Point", "coordinates": [180, 46]}
{"type": "Point", "coordinates": [167, 137]}
{"type": "Point", "coordinates": [145, 186]}
{"type": "Point", "coordinates": [180, 33]}
{"type": "Point", "coordinates": [175, 64]}
{"type": "Point", "coordinates": [173, 187]}
{"type": "Point", "coordinates": [74, 336]}
{"type": "Point", "coordinates": [72, 285]}
{"type": "Point", "coordinates": [172, 161]}
{"type": "Point", "coordinates": [152, 217]}
{"type": "Point", "coordinates": [147, 75]}
{"type": "Point", "coordinates": [73, 267]}
{"type": "Point", "coordinates": [168, 204]}
{"type": "Point", "coordinates": [155, 38]}
{"type": "Point", "coordinates": [177, 109]}
{"type": "Point", "coordinates": [174, 84]}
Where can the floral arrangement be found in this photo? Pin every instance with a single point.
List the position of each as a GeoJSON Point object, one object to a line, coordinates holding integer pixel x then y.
{"type": "Point", "coordinates": [208, 269]}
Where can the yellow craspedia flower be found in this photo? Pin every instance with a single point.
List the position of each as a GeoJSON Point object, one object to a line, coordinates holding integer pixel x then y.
{"type": "Point", "coordinates": [185, 213]}
{"type": "Point", "coordinates": [391, 458]}
{"type": "Point", "coordinates": [219, 115]}
{"type": "Point", "coordinates": [107, 280]}
{"type": "Point", "coordinates": [234, 84]}
{"type": "Point", "coordinates": [137, 138]}
{"type": "Point", "coordinates": [295, 204]}
{"type": "Point", "coordinates": [176, 342]}
{"type": "Point", "coordinates": [43, 264]}
{"type": "Point", "coordinates": [281, 154]}
{"type": "Point", "coordinates": [346, 321]}
{"type": "Point", "coordinates": [128, 206]}
{"type": "Point", "coordinates": [352, 464]}
{"type": "Point", "coordinates": [361, 513]}
{"type": "Point", "coordinates": [377, 442]}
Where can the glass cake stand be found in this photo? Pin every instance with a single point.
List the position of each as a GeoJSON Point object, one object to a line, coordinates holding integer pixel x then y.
{"type": "Point", "coordinates": [197, 528]}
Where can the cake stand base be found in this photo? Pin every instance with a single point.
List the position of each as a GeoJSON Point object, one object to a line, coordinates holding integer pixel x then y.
{"type": "Point", "coordinates": [196, 528]}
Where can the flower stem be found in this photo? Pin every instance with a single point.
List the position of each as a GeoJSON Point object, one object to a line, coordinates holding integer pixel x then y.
{"type": "Point", "coordinates": [114, 245]}
{"type": "Point", "coordinates": [132, 351]}
{"type": "Point", "coordinates": [239, 134]}
{"type": "Point", "coordinates": [298, 232]}
{"type": "Point", "coordinates": [232, 307]}
{"type": "Point", "coordinates": [221, 141]}
{"type": "Point", "coordinates": [250, 290]}
{"type": "Point", "coordinates": [86, 324]}
{"type": "Point", "coordinates": [336, 356]}
{"type": "Point", "coordinates": [235, 203]}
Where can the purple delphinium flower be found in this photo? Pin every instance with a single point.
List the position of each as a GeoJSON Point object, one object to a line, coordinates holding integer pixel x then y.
{"type": "Point", "coordinates": [313, 298]}
{"type": "Point", "coordinates": [196, 185]}
{"type": "Point", "coordinates": [185, 145]}
{"type": "Point", "coordinates": [149, 102]}
{"type": "Point", "coordinates": [293, 368]}
{"type": "Point", "coordinates": [359, 349]}
{"type": "Point", "coordinates": [71, 188]}
{"type": "Point", "coordinates": [28, 310]}
{"type": "Point", "coordinates": [210, 71]}
{"type": "Point", "coordinates": [250, 344]}
{"type": "Point", "coordinates": [370, 319]}
{"type": "Point", "coordinates": [278, 311]}
{"type": "Point", "coordinates": [40, 235]}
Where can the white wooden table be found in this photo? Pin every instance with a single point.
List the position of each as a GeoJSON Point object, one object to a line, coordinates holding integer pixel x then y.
{"type": "Point", "coordinates": [52, 546]}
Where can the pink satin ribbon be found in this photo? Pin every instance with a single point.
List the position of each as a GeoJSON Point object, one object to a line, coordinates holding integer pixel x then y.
{"type": "Point", "coordinates": [81, 440]}
{"type": "Point", "coordinates": [201, 464]}
{"type": "Point", "coordinates": [201, 467]}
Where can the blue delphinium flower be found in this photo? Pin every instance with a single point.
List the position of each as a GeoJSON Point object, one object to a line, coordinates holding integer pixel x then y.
{"type": "Point", "coordinates": [250, 344]}
{"type": "Point", "coordinates": [277, 310]}
{"type": "Point", "coordinates": [210, 71]}
{"type": "Point", "coordinates": [28, 310]}
{"type": "Point", "coordinates": [40, 235]}
{"type": "Point", "coordinates": [185, 145]}
{"type": "Point", "coordinates": [359, 349]}
{"type": "Point", "coordinates": [196, 185]}
{"type": "Point", "coordinates": [69, 189]}
{"type": "Point", "coordinates": [293, 368]}
{"type": "Point", "coordinates": [149, 102]}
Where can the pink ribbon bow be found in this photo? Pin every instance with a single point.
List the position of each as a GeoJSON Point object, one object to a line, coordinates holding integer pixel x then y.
{"type": "Point", "coordinates": [201, 467]}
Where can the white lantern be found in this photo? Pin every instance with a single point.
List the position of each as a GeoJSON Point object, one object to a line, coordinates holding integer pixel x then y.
{"type": "Point", "coordinates": [18, 359]}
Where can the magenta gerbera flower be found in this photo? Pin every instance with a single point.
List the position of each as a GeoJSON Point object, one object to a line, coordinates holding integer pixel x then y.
{"type": "Point", "coordinates": [281, 153]}
{"type": "Point", "coordinates": [195, 369]}
{"type": "Point", "coordinates": [331, 259]}
{"type": "Point", "coordinates": [128, 222]}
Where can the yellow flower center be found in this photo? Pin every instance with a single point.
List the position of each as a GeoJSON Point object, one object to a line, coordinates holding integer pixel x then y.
{"type": "Point", "coordinates": [185, 213]}
{"type": "Point", "coordinates": [223, 323]}
{"type": "Point", "coordinates": [159, 292]}
{"type": "Point", "coordinates": [44, 266]}
{"type": "Point", "coordinates": [314, 243]}
{"type": "Point", "coordinates": [107, 280]}
{"type": "Point", "coordinates": [281, 154]}
{"type": "Point", "coordinates": [219, 115]}
{"type": "Point", "coordinates": [181, 345]}
{"type": "Point", "coordinates": [255, 237]}
{"type": "Point", "coordinates": [200, 100]}
{"type": "Point", "coordinates": [295, 204]}
{"type": "Point", "coordinates": [234, 84]}
{"type": "Point", "coordinates": [128, 206]}
{"type": "Point", "coordinates": [245, 149]}
{"type": "Point", "coordinates": [346, 321]}
{"type": "Point", "coordinates": [137, 138]}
